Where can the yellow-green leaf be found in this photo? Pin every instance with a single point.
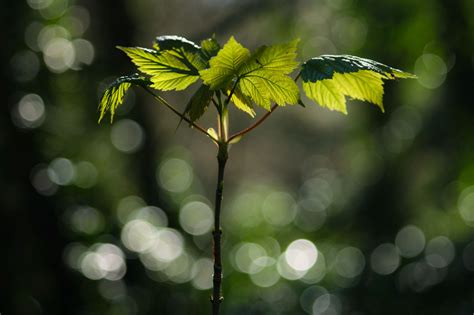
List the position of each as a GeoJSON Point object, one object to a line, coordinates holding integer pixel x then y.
{"type": "Point", "coordinates": [265, 86]}
{"type": "Point", "coordinates": [364, 85]}
{"type": "Point", "coordinates": [264, 76]}
{"type": "Point", "coordinates": [276, 58]}
{"type": "Point", "coordinates": [242, 102]}
{"type": "Point", "coordinates": [327, 94]}
{"type": "Point", "coordinates": [225, 65]}
{"type": "Point", "coordinates": [173, 81]}
{"type": "Point", "coordinates": [328, 79]}
{"type": "Point", "coordinates": [114, 94]}
{"type": "Point", "coordinates": [169, 69]}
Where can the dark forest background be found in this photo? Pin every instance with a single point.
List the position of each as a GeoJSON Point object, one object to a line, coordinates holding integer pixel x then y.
{"type": "Point", "coordinates": [114, 219]}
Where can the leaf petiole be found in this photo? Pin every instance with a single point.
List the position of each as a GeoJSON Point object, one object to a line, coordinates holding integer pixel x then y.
{"type": "Point", "coordinates": [174, 110]}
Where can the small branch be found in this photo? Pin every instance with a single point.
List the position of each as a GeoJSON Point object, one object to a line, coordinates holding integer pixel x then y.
{"type": "Point", "coordinates": [227, 101]}
{"type": "Point", "coordinates": [174, 110]}
{"type": "Point", "coordinates": [258, 122]}
{"type": "Point", "coordinates": [297, 76]}
{"type": "Point", "coordinates": [215, 104]}
{"type": "Point", "coordinates": [255, 125]}
{"type": "Point", "coordinates": [223, 116]}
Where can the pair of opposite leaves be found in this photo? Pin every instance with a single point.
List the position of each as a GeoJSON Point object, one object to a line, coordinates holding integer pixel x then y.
{"type": "Point", "coordinates": [259, 78]}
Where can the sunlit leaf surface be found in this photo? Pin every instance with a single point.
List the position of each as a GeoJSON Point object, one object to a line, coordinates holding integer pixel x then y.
{"type": "Point", "coordinates": [328, 79]}
{"type": "Point", "coordinates": [114, 95]}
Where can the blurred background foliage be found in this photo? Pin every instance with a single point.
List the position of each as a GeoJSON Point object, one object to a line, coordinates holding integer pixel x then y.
{"type": "Point", "coordinates": [369, 213]}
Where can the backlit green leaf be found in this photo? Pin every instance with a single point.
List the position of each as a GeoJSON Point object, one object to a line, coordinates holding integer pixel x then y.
{"type": "Point", "coordinates": [264, 86]}
{"type": "Point", "coordinates": [261, 76]}
{"type": "Point", "coordinates": [327, 94]}
{"type": "Point", "coordinates": [242, 102]}
{"type": "Point", "coordinates": [328, 79]}
{"type": "Point", "coordinates": [169, 69]}
{"type": "Point", "coordinates": [225, 65]}
{"type": "Point", "coordinates": [114, 94]}
{"type": "Point", "coordinates": [277, 58]}
{"type": "Point", "coordinates": [264, 76]}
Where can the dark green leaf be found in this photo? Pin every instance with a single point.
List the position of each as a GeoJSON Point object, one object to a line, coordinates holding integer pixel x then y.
{"type": "Point", "coordinates": [324, 67]}
{"type": "Point", "coordinates": [209, 48]}
{"type": "Point", "coordinates": [199, 102]}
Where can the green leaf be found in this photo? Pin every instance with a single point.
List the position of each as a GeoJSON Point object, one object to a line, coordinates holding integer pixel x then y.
{"type": "Point", "coordinates": [328, 79]}
{"type": "Point", "coordinates": [265, 86]}
{"type": "Point", "coordinates": [210, 47]}
{"type": "Point", "coordinates": [199, 102]}
{"type": "Point", "coordinates": [173, 42]}
{"type": "Point", "coordinates": [242, 102]}
{"type": "Point", "coordinates": [169, 69]}
{"type": "Point", "coordinates": [264, 76]}
{"type": "Point", "coordinates": [113, 95]}
{"type": "Point", "coordinates": [225, 65]}
{"type": "Point", "coordinates": [327, 94]}
{"type": "Point", "coordinates": [261, 76]}
{"type": "Point", "coordinates": [277, 58]}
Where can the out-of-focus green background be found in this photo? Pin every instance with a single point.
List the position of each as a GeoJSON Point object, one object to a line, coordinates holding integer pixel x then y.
{"type": "Point", "coordinates": [368, 213]}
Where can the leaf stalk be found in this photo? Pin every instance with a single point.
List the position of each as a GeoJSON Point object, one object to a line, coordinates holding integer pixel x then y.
{"type": "Point", "coordinates": [182, 116]}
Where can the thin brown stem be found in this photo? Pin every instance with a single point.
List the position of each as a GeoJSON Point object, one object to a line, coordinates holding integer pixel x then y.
{"type": "Point", "coordinates": [215, 103]}
{"type": "Point", "coordinates": [229, 97]}
{"type": "Point", "coordinates": [174, 110]}
{"type": "Point", "coordinates": [258, 122]}
{"type": "Point", "coordinates": [216, 297]}
{"type": "Point", "coordinates": [255, 125]}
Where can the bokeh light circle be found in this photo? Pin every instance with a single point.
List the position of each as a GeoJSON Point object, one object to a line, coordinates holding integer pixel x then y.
{"type": "Point", "coordinates": [279, 209]}
{"type": "Point", "coordinates": [350, 262]}
{"type": "Point", "coordinates": [301, 255]}
{"type": "Point", "coordinates": [175, 175]}
{"type": "Point", "coordinates": [196, 218]}
{"type": "Point", "coordinates": [439, 252]}
{"type": "Point", "coordinates": [385, 259]}
{"type": "Point", "coordinates": [127, 136]}
{"type": "Point", "coordinates": [410, 241]}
